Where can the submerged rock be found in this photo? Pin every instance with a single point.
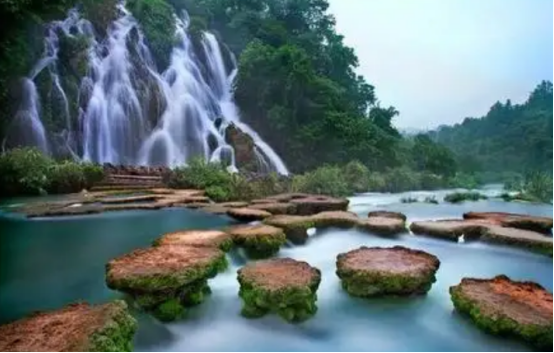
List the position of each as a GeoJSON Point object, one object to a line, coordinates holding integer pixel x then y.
{"type": "Point", "coordinates": [283, 286]}
{"type": "Point", "coordinates": [449, 229]}
{"type": "Point", "coordinates": [518, 237]}
{"type": "Point", "coordinates": [202, 238]}
{"type": "Point", "coordinates": [74, 328]}
{"type": "Point", "coordinates": [339, 219]}
{"type": "Point", "coordinates": [383, 225]}
{"type": "Point", "coordinates": [514, 220]}
{"type": "Point", "coordinates": [259, 240]}
{"type": "Point", "coordinates": [311, 205]}
{"type": "Point", "coordinates": [247, 214]}
{"type": "Point", "coordinates": [387, 214]}
{"type": "Point", "coordinates": [165, 279]}
{"type": "Point", "coordinates": [370, 272]}
{"type": "Point", "coordinates": [295, 227]}
{"type": "Point", "coordinates": [500, 306]}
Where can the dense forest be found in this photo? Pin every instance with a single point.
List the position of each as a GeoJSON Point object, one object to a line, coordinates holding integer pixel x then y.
{"type": "Point", "coordinates": [509, 139]}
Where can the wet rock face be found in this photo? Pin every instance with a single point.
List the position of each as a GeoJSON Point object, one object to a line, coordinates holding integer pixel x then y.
{"type": "Point", "coordinates": [165, 279]}
{"type": "Point", "coordinates": [283, 286]}
{"type": "Point", "coordinates": [259, 241]}
{"type": "Point", "coordinates": [199, 238]}
{"type": "Point", "coordinates": [77, 327]}
{"type": "Point", "coordinates": [243, 144]}
{"type": "Point", "coordinates": [370, 272]}
{"type": "Point", "coordinates": [383, 225]}
{"type": "Point", "coordinates": [500, 306]}
{"type": "Point", "coordinates": [514, 220]}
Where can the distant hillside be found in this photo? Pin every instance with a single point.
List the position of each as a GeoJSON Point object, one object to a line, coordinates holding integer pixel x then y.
{"type": "Point", "coordinates": [510, 138]}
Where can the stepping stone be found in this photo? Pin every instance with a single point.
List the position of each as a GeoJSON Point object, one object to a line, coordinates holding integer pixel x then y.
{"type": "Point", "coordinates": [130, 199]}
{"type": "Point", "coordinates": [383, 225]}
{"type": "Point", "coordinates": [234, 204]}
{"type": "Point", "coordinates": [316, 204]}
{"type": "Point", "coordinates": [295, 227]}
{"type": "Point", "coordinates": [201, 238]}
{"type": "Point", "coordinates": [514, 220]}
{"type": "Point", "coordinates": [247, 214]}
{"type": "Point", "coordinates": [517, 237]}
{"type": "Point", "coordinates": [371, 272]}
{"type": "Point", "coordinates": [449, 229]}
{"type": "Point", "coordinates": [275, 207]}
{"type": "Point", "coordinates": [215, 209]}
{"type": "Point", "coordinates": [74, 328]}
{"type": "Point", "coordinates": [259, 240]}
{"type": "Point", "coordinates": [165, 279]}
{"type": "Point", "coordinates": [387, 214]}
{"type": "Point", "coordinates": [500, 306]}
{"type": "Point", "coordinates": [283, 286]}
{"type": "Point", "coordinates": [194, 205]}
{"type": "Point", "coordinates": [339, 219]}
{"type": "Point", "coordinates": [287, 197]}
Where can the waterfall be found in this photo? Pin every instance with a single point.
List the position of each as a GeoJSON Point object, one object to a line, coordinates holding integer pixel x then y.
{"type": "Point", "coordinates": [194, 97]}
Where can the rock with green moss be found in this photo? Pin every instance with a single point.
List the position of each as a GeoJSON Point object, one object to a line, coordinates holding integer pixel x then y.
{"type": "Point", "coordinates": [383, 225]}
{"type": "Point", "coordinates": [500, 306]}
{"type": "Point", "coordinates": [371, 272]}
{"type": "Point", "coordinates": [450, 229]}
{"type": "Point", "coordinates": [247, 214]}
{"type": "Point", "coordinates": [514, 220]}
{"type": "Point", "coordinates": [165, 279]}
{"type": "Point", "coordinates": [525, 239]}
{"type": "Point", "coordinates": [78, 328]}
{"type": "Point", "coordinates": [282, 286]}
{"type": "Point", "coordinates": [275, 207]}
{"type": "Point", "coordinates": [387, 214]}
{"type": "Point", "coordinates": [259, 240]}
{"type": "Point", "coordinates": [314, 204]}
{"type": "Point", "coordinates": [202, 238]}
{"type": "Point", "coordinates": [339, 219]}
{"type": "Point", "coordinates": [295, 227]}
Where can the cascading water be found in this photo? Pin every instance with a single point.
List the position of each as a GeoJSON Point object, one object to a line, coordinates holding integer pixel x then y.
{"type": "Point", "coordinates": [194, 99]}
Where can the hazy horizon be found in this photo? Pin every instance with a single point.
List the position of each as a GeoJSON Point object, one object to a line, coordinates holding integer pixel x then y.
{"type": "Point", "coordinates": [439, 62]}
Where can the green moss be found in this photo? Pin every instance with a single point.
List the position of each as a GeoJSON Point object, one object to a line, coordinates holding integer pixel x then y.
{"type": "Point", "coordinates": [226, 245]}
{"type": "Point", "coordinates": [370, 284]}
{"type": "Point", "coordinates": [293, 304]}
{"type": "Point", "coordinates": [100, 13]}
{"type": "Point", "coordinates": [538, 336]}
{"type": "Point", "coordinates": [262, 246]}
{"type": "Point", "coordinates": [117, 334]}
{"type": "Point", "coordinates": [157, 22]}
{"type": "Point", "coordinates": [295, 230]}
{"type": "Point", "coordinates": [170, 310]}
{"type": "Point", "coordinates": [458, 197]}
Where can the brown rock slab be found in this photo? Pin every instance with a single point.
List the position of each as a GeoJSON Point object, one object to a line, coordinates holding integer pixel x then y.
{"type": "Point", "coordinates": [215, 209]}
{"type": "Point", "coordinates": [277, 274]}
{"type": "Point", "coordinates": [295, 227]}
{"type": "Point", "coordinates": [259, 240]}
{"type": "Point", "coordinates": [247, 214]}
{"type": "Point", "coordinates": [275, 207]}
{"type": "Point", "coordinates": [286, 197]}
{"type": "Point", "coordinates": [234, 204]}
{"type": "Point", "coordinates": [449, 229]}
{"type": "Point", "coordinates": [340, 219]}
{"type": "Point", "coordinates": [201, 238]}
{"type": "Point", "coordinates": [316, 204]}
{"type": "Point", "coordinates": [129, 199]}
{"type": "Point", "coordinates": [518, 237]}
{"type": "Point", "coordinates": [74, 328]}
{"type": "Point", "coordinates": [70, 210]}
{"type": "Point", "coordinates": [514, 220]}
{"type": "Point", "coordinates": [368, 272]}
{"type": "Point", "coordinates": [522, 310]}
{"type": "Point", "coordinates": [387, 214]}
{"type": "Point", "coordinates": [383, 225]}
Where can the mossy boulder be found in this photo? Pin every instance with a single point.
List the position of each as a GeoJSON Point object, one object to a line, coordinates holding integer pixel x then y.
{"type": "Point", "coordinates": [339, 219]}
{"type": "Point", "coordinates": [275, 207]}
{"type": "Point", "coordinates": [202, 238]}
{"type": "Point", "coordinates": [283, 286]}
{"type": "Point", "coordinates": [370, 272]}
{"type": "Point", "coordinates": [383, 225]}
{"type": "Point", "coordinates": [247, 214]}
{"type": "Point", "coordinates": [311, 205]}
{"type": "Point", "coordinates": [500, 306]}
{"type": "Point", "coordinates": [162, 278]}
{"type": "Point", "coordinates": [519, 238]}
{"type": "Point", "coordinates": [74, 328]}
{"type": "Point", "coordinates": [295, 227]}
{"type": "Point", "coordinates": [259, 240]}
{"type": "Point", "coordinates": [449, 229]}
{"type": "Point", "coordinates": [514, 220]}
{"type": "Point", "coordinates": [387, 214]}
{"type": "Point", "coordinates": [215, 209]}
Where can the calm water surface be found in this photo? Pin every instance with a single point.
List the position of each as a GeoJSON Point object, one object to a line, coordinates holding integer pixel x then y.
{"type": "Point", "coordinates": [47, 263]}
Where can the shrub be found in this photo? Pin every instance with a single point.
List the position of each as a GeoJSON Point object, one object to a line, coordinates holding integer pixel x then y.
{"type": "Point", "coordinates": [326, 180]}
{"type": "Point", "coordinates": [401, 179]}
{"type": "Point", "coordinates": [376, 182]}
{"type": "Point", "coordinates": [24, 171]}
{"type": "Point", "coordinates": [458, 197]}
{"type": "Point", "coordinates": [429, 181]}
{"type": "Point", "coordinates": [357, 176]}
{"type": "Point", "coordinates": [431, 199]}
{"type": "Point", "coordinates": [409, 199]}
{"type": "Point", "coordinates": [538, 185]}
{"type": "Point", "coordinates": [93, 173]}
{"type": "Point", "coordinates": [65, 177]}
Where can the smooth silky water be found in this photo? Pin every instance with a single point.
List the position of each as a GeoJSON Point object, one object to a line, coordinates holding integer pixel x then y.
{"type": "Point", "coordinates": [48, 263]}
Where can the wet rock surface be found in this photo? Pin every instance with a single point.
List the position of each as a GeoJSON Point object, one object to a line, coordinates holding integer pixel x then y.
{"type": "Point", "coordinates": [283, 286]}
{"type": "Point", "coordinates": [259, 240]}
{"type": "Point", "coordinates": [200, 238]}
{"type": "Point", "coordinates": [518, 237]}
{"type": "Point", "coordinates": [514, 220]}
{"type": "Point", "coordinates": [275, 207]}
{"type": "Point", "coordinates": [310, 205]}
{"type": "Point", "coordinates": [339, 219]}
{"type": "Point", "coordinates": [77, 327]}
{"type": "Point", "coordinates": [247, 214]}
{"type": "Point", "coordinates": [387, 214]}
{"type": "Point", "coordinates": [383, 225]}
{"type": "Point", "coordinates": [370, 272]}
{"type": "Point", "coordinates": [500, 306]}
{"type": "Point", "coordinates": [450, 229]}
{"type": "Point", "coordinates": [295, 227]}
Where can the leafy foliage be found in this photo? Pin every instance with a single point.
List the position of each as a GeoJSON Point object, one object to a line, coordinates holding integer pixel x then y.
{"type": "Point", "coordinates": [458, 197]}
{"type": "Point", "coordinates": [533, 187]}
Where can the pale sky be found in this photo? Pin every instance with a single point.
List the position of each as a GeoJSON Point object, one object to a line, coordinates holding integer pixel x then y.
{"type": "Point", "coordinates": [439, 61]}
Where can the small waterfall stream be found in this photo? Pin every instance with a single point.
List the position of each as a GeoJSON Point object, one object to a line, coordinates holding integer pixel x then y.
{"type": "Point", "coordinates": [194, 99]}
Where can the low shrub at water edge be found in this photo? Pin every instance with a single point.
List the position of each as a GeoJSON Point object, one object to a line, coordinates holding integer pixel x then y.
{"type": "Point", "coordinates": [409, 199]}
{"type": "Point", "coordinates": [431, 199]}
{"type": "Point", "coordinates": [326, 180]}
{"type": "Point", "coordinates": [458, 197]}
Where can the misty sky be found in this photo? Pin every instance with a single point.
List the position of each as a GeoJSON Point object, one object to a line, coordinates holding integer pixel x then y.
{"type": "Point", "coordinates": [439, 61]}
